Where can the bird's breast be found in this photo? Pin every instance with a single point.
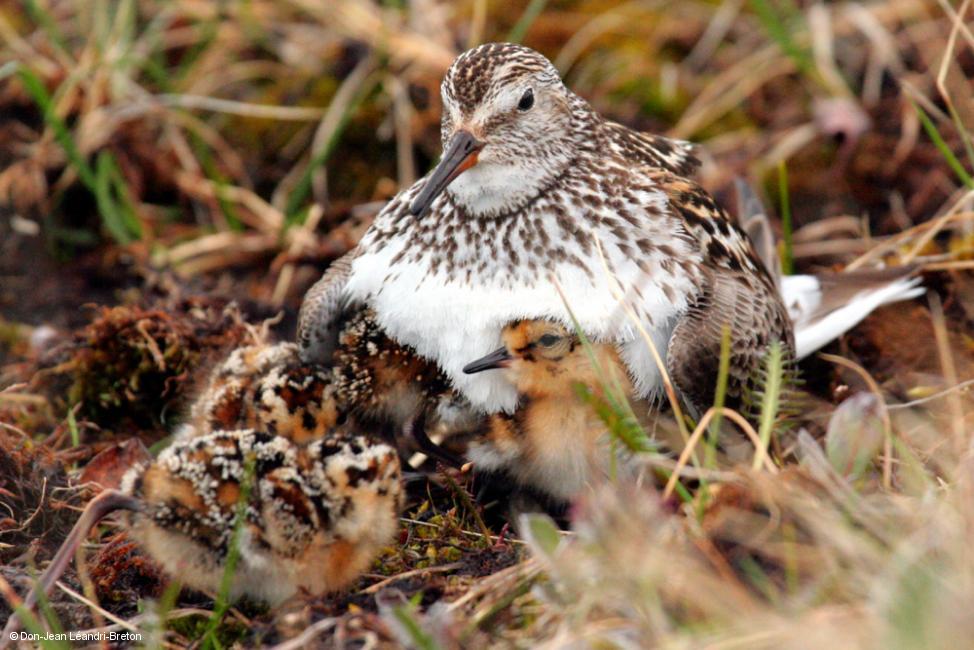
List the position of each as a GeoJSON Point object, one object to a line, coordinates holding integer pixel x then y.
{"type": "Point", "coordinates": [447, 288]}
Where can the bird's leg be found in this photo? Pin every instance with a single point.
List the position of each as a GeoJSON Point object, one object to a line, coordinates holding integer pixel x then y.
{"type": "Point", "coordinates": [415, 431]}
{"type": "Point", "coordinates": [107, 502]}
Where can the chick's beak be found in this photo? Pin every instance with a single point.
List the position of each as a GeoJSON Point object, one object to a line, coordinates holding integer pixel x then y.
{"type": "Point", "coordinates": [460, 155]}
{"type": "Point", "coordinates": [499, 358]}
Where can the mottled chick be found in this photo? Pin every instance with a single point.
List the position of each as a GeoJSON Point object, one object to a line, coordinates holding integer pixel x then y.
{"type": "Point", "coordinates": [314, 515]}
{"type": "Point", "coordinates": [387, 386]}
{"type": "Point", "coordinates": [268, 388]}
{"type": "Point", "coordinates": [374, 384]}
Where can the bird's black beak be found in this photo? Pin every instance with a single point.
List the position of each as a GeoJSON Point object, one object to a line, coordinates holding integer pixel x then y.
{"type": "Point", "coordinates": [499, 358]}
{"type": "Point", "coordinates": [460, 155]}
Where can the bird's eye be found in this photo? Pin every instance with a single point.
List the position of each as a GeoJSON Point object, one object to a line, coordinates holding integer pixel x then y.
{"type": "Point", "coordinates": [527, 100]}
{"type": "Point", "coordinates": [548, 340]}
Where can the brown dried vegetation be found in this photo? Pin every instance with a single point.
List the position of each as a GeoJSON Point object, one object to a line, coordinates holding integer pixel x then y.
{"type": "Point", "coordinates": [160, 161]}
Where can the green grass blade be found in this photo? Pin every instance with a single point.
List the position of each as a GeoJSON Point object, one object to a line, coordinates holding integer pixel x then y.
{"type": "Point", "coordinates": [419, 637]}
{"type": "Point", "coordinates": [43, 18]}
{"type": "Point", "coordinates": [105, 181]}
{"type": "Point", "coordinates": [233, 557]}
{"type": "Point", "coordinates": [787, 254]}
{"type": "Point", "coordinates": [781, 33]}
{"type": "Point", "coordinates": [213, 173]}
{"type": "Point", "coordinates": [294, 212]}
{"type": "Point", "coordinates": [720, 397]}
{"type": "Point", "coordinates": [35, 88]}
{"type": "Point", "coordinates": [120, 189]}
{"type": "Point", "coordinates": [111, 196]}
{"type": "Point", "coordinates": [619, 420]}
{"type": "Point", "coordinates": [208, 30]}
{"type": "Point", "coordinates": [33, 625]}
{"type": "Point", "coordinates": [523, 24]}
{"type": "Point", "coordinates": [965, 136]}
{"type": "Point", "coordinates": [770, 399]}
{"type": "Point", "coordinates": [73, 429]}
{"type": "Point", "coordinates": [941, 145]}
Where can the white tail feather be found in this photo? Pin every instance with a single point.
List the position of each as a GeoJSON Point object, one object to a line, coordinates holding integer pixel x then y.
{"type": "Point", "coordinates": [822, 307]}
{"type": "Point", "coordinates": [803, 296]}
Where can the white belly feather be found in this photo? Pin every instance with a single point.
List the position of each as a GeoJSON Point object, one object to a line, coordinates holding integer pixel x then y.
{"type": "Point", "coordinates": [455, 323]}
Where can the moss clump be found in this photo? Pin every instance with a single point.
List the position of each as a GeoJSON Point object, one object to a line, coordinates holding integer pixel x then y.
{"type": "Point", "coordinates": [123, 575]}
{"type": "Point", "coordinates": [130, 363]}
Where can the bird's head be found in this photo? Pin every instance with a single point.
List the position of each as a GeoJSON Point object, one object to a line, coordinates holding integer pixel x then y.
{"type": "Point", "coordinates": [544, 358]}
{"type": "Point", "coordinates": [508, 130]}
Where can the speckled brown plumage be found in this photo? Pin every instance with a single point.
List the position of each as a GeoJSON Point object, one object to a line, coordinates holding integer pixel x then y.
{"type": "Point", "coordinates": [324, 492]}
{"type": "Point", "coordinates": [377, 385]}
{"type": "Point", "coordinates": [315, 518]}
{"type": "Point", "coordinates": [381, 381]}
{"type": "Point", "coordinates": [268, 388]}
{"type": "Point", "coordinates": [735, 290]}
{"type": "Point", "coordinates": [542, 192]}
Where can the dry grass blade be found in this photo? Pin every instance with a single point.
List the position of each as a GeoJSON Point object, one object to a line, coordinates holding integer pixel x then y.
{"type": "Point", "coordinates": [244, 109]}
{"type": "Point", "coordinates": [761, 456]}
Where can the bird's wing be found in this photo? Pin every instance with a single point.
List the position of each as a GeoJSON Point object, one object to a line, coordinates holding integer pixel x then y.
{"type": "Point", "coordinates": [736, 291]}
{"type": "Point", "coordinates": [655, 151]}
{"type": "Point", "coordinates": [825, 305]}
{"type": "Point", "coordinates": [322, 310]}
{"type": "Point", "coordinates": [755, 317]}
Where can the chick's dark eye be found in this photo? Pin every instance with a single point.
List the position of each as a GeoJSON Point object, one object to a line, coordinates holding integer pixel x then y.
{"type": "Point", "coordinates": [527, 100]}
{"type": "Point", "coordinates": [548, 340]}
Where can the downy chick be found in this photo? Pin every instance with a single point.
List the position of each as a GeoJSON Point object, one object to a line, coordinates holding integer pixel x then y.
{"type": "Point", "coordinates": [554, 444]}
{"type": "Point", "coordinates": [375, 384]}
{"type": "Point", "coordinates": [315, 515]}
{"type": "Point", "coordinates": [324, 494]}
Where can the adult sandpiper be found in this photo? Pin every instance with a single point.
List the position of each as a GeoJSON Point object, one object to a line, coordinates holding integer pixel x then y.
{"type": "Point", "coordinates": [534, 191]}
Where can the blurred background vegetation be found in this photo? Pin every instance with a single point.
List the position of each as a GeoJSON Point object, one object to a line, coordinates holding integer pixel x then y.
{"type": "Point", "coordinates": [195, 164]}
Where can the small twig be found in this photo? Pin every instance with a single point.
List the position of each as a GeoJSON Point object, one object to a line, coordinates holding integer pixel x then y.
{"type": "Point", "coordinates": [929, 398]}
{"type": "Point", "coordinates": [469, 533]}
{"type": "Point", "coordinates": [949, 369]}
{"type": "Point", "coordinates": [939, 224]}
{"type": "Point", "coordinates": [443, 568]}
{"type": "Point", "coordinates": [245, 109]}
{"type": "Point", "coordinates": [105, 613]}
{"type": "Point", "coordinates": [304, 639]}
{"type": "Point", "coordinates": [760, 453]}
{"type": "Point", "coordinates": [40, 505]}
{"type": "Point", "coordinates": [959, 265]}
{"type": "Point", "coordinates": [519, 572]}
{"type": "Point", "coordinates": [137, 620]}
{"type": "Point", "coordinates": [153, 346]}
{"type": "Point", "coordinates": [16, 430]}
{"type": "Point", "coordinates": [9, 594]}
{"type": "Point", "coordinates": [105, 503]}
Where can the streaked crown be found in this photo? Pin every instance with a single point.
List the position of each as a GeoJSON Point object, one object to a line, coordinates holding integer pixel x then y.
{"type": "Point", "coordinates": [509, 127]}
{"type": "Point", "coordinates": [478, 75]}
